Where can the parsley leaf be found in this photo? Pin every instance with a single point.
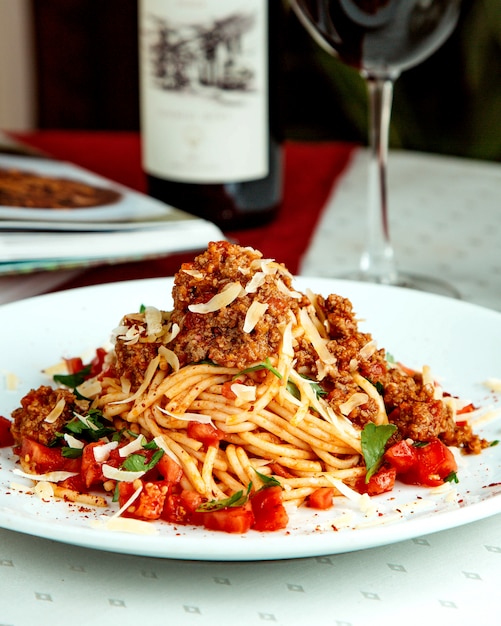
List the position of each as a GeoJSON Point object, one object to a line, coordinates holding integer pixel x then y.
{"type": "Point", "coordinates": [239, 498]}
{"type": "Point", "coordinates": [264, 365]}
{"type": "Point", "coordinates": [268, 481]}
{"type": "Point", "coordinates": [71, 453]}
{"type": "Point", "coordinates": [94, 418]}
{"type": "Point", "coordinates": [73, 380]}
{"type": "Point", "coordinates": [451, 478]}
{"type": "Point", "coordinates": [374, 439]}
{"type": "Point", "coordinates": [139, 463]}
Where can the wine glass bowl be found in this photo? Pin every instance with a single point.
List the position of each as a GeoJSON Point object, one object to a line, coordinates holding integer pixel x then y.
{"type": "Point", "coordinates": [381, 39]}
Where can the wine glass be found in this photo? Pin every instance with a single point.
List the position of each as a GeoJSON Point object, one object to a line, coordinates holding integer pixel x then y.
{"type": "Point", "coordinates": [381, 38]}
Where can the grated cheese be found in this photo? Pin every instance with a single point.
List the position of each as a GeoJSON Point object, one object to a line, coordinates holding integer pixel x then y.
{"type": "Point", "coordinates": [56, 411]}
{"type": "Point", "coordinates": [188, 417]}
{"type": "Point", "coordinates": [135, 445]}
{"type": "Point", "coordinates": [122, 475]}
{"type": "Point", "coordinates": [318, 342]}
{"type": "Point", "coordinates": [494, 384]}
{"type": "Point", "coordinates": [170, 357]}
{"type": "Point", "coordinates": [193, 273]}
{"type": "Point", "coordinates": [254, 313]}
{"type": "Point", "coordinates": [52, 477]}
{"type": "Point", "coordinates": [226, 296]}
{"type": "Point", "coordinates": [244, 393]}
{"type": "Point", "coordinates": [102, 452]}
{"type": "Point", "coordinates": [255, 282]}
{"type": "Point", "coordinates": [153, 319]}
{"type": "Point", "coordinates": [357, 399]}
{"type": "Point", "coordinates": [73, 442]}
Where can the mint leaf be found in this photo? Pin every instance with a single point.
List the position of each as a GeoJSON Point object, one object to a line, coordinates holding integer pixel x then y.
{"type": "Point", "coordinates": [374, 439]}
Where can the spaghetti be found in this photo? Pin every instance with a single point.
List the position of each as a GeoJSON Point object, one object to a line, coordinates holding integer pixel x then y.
{"type": "Point", "coordinates": [247, 384]}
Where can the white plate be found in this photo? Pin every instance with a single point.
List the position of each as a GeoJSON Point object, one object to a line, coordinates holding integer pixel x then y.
{"type": "Point", "coordinates": [131, 205]}
{"type": "Point", "coordinates": [458, 340]}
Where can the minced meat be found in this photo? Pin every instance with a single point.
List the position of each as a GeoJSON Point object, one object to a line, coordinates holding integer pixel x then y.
{"type": "Point", "coordinates": [218, 336]}
{"type": "Point", "coordinates": [29, 418]}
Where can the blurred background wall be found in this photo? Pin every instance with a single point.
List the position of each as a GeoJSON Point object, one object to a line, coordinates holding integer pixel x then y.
{"type": "Point", "coordinates": [80, 71]}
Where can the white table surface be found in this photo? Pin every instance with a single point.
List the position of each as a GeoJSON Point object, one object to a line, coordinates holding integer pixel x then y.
{"type": "Point", "coordinates": [450, 225]}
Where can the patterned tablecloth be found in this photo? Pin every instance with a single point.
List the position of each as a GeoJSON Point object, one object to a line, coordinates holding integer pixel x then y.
{"type": "Point", "coordinates": [446, 221]}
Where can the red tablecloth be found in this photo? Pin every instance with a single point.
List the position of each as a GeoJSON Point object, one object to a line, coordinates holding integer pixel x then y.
{"type": "Point", "coordinates": [311, 170]}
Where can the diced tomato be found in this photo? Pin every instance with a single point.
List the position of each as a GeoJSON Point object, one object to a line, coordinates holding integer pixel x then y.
{"type": "Point", "coordinates": [206, 433]}
{"type": "Point", "coordinates": [170, 471]}
{"type": "Point", "coordinates": [97, 363]}
{"type": "Point", "coordinates": [74, 365]}
{"type": "Point", "coordinates": [380, 482]}
{"type": "Point", "coordinates": [181, 508]}
{"type": "Point", "coordinates": [91, 471]}
{"type": "Point", "coordinates": [227, 391]}
{"type": "Point", "coordinates": [237, 519]}
{"type": "Point", "coordinates": [468, 408]}
{"type": "Point", "coordinates": [39, 459]}
{"type": "Point", "coordinates": [269, 511]}
{"type": "Point", "coordinates": [321, 498]}
{"type": "Point", "coordinates": [75, 483]}
{"type": "Point", "coordinates": [6, 438]}
{"type": "Point", "coordinates": [150, 502]}
{"type": "Point", "coordinates": [434, 463]}
{"type": "Point", "coordinates": [402, 456]}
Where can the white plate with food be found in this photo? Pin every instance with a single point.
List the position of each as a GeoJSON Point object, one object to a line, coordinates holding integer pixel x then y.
{"type": "Point", "coordinates": [49, 190]}
{"type": "Point", "coordinates": [455, 339]}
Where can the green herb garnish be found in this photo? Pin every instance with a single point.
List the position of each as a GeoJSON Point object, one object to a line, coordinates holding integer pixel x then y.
{"type": "Point", "coordinates": [239, 498]}
{"type": "Point", "coordinates": [374, 439]}
{"type": "Point", "coordinates": [264, 365]}
{"type": "Point", "coordinates": [268, 481]}
{"type": "Point", "coordinates": [139, 463]}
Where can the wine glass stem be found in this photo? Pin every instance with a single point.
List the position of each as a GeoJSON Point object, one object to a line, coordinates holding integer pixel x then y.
{"type": "Point", "coordinates": [377, 262]}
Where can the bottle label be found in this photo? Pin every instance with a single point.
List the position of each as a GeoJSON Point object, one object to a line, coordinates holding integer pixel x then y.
{"type": "Point", "coordinates": [204, 89]}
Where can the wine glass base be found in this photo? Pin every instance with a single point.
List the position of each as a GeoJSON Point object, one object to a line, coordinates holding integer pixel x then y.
{"type": "Point", "coordinates": [408, 281]}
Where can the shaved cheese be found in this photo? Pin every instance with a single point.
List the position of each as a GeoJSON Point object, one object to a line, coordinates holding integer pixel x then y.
{"type": "Point", "coordinates": [357, 399]}
{"type": "Point", "coordinates": [368, 350]}
{"type": "Point", "coordinates": [372, 392]}
{"type": "Point", "coordinates": [226, 296]}
{"type": "Point", "coordinates": [163, 446]}
{"type": "Point", "coordinates": [494, 384]}
{"type": "Point", "coordinates": [153, 319]}
{"type": "Point", "coordinates": [11, 381]}
{"type": "Point", "coordinates": [52, 477]}
{"type": "Point", "coordinates": [102, 453]}
{"type": "Point", "coordinates": [90, 425]}
{"type": "Point", "coordinates": [73, 442]}
{"type": "Point", "coordinates": [287, 345]}
{"type": "Point", "coordinates": [90, 388]}
{"type": "Point", "coordinates": [254, 313]}
{"type": "Point", "coordinates": [122, 475]}
{"type": "Point", "coordinates": [129, 334]}
{"type": "Point", "coordinates": [244, 393]}
{"type": "Point", "coordinates": [282, 287]}
{"type": "Point", "coordinates": [44, 490]}
{"type": "Point", "coordinates": [255, 282]}
{"type": "Point", "coordinates": [318, 342]}
{"type": "Point", "coordinates": [56, 411]}
{"type": "Point", "coordinates": [135, 445]}
{"type": "Point", "coordinates": [170, 357]}
{"type": "Point", "coordinates": [174, 330]}
{"type": "Point", "coordinates": [193, 273]}
{"type": "Point", "coordinates": [187, 417]}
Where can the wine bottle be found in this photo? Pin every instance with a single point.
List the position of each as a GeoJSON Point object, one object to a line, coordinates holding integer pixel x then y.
{"type": "Point", "coordinates": [209, 85]}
